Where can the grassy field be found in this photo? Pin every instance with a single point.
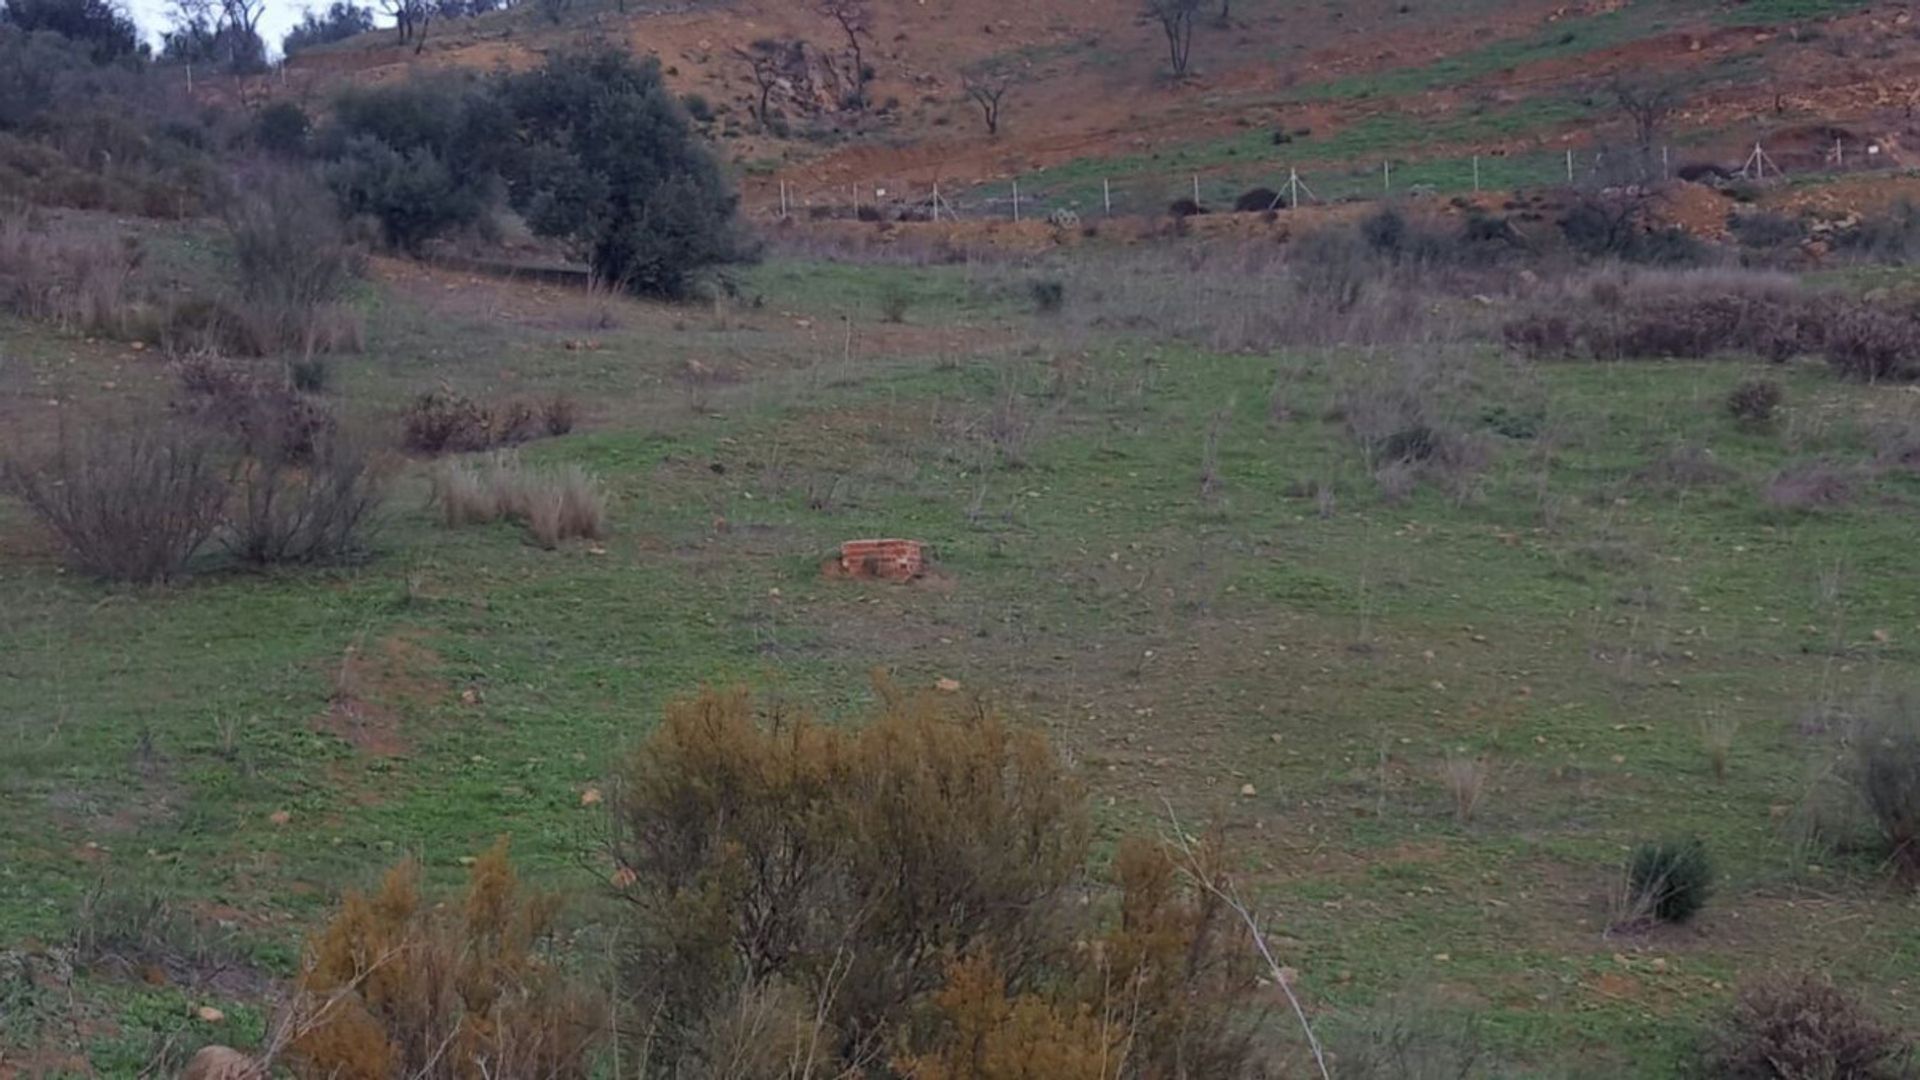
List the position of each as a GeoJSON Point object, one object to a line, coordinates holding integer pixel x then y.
{"type": "Point", "coordinates": [1280, 647]}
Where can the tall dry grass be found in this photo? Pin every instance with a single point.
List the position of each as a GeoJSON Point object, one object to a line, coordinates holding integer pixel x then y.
{"type": "Point", "coordinates": [555, 504]}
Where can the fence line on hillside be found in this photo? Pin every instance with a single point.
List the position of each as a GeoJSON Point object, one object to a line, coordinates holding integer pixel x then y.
{"type": "Point", "coordinates": [1088, 195]}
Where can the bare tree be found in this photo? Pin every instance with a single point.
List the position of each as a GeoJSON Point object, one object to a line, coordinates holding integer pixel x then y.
{"type": "Point", "coordinates": [988, 89]}
{"type": "Point", "coordinates": [1176, 22]}
{"type": "Point", "coordinates": [855, 23]}
{"type": "Point", "coordinates": [1648, 102]}
{"type": "Point", "coordinates": [766, 58]}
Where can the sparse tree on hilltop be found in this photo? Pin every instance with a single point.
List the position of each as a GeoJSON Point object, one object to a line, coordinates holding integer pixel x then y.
{"type": "Point", "coordinates": [1648, 102]}
{"type": "Point", "coordinates": [1176, 22]}
{"type": "Point", "coordinates": [854, 22]}
{"type": "Point", "coordinates": [988, 89]}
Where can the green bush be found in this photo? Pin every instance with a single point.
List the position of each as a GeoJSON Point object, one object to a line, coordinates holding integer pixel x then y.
{"type": "Point", "coordinates": [1885, 771]}
{"type": "Point", "coordinates": [1755, 401]}
{"type": "Point", "coordinates": [98, 26]}
{"type": "Point", "coordinates": [1891, 238]}
{"type": "Point", "coordinates": [1049, 295]}
{"type": "Point", "coordinates": [419, 157]}
{"type": "Point", "coordinates": [281, 128]}
{"type": "Point", "coordinates": [1668, 881]}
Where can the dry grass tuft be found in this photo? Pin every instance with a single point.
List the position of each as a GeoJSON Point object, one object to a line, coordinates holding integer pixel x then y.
{"type": "Point", "coordinates": [1466, 780]}
{"type": "Point", "coordinates": [1718, 733]}
{"type": "Point", "coordinates": [555, 505]}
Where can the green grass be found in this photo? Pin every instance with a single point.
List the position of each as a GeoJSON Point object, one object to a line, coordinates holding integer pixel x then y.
{"type": "Point", "coordinates": [1572, 626]}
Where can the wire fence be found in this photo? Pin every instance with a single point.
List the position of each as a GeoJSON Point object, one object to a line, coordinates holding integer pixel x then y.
{"type": "Point", "coordinates": [1078, 194]}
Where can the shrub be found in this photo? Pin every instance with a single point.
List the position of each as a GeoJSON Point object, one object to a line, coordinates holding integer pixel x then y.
{"type": "Point", "coordinates": [903, 893]}
{"type": "Point", "coordinates": [81, 284]}
{"type": "Point", "coordinates": [101, 27]}
{"type": "Point", "coordinates": [1869, 344]}
{"type": "Point", "coordinates": [1892, 238]}
{"type": "Point", "coordinates": [294, 267]}
{"type": "Point", "coordinates": [1808, 486]}
{"type": "Point", "coordinates": [610, 164]}
{"type": "Point", "coordinates": [264, 417]}
{"type": "Point", "coordinates": [894, 301]}
{"type": "Point", "coordinates": [1766, 230]}
{"type": "Point", "coordinates": [445, 421]}
{"type": "Point", "coordinates": [309, 375]}
{"type": "Point", "coordinates": [317, 507]}
{"type": "Point", "coordinates": [1804, 1028]}
{"type": "Point", "coordinates": [1755, 401]}
{"type": "Point", "coordinates": [772, 847]}
{"type": "Point", "coordinates": [1885, 771]}
{"type": "Point", "coordinates": [281, 128]}
{"type": "Point", "coordinates": [1049, 294]}
{"type": "Point", "coordinates": [1258, 201]}
{"type": "Point", "coordinates": [394, 986]}
{"type": "Point", "coordinates": [133, 503]}
{"type": "Point", "coordinates": [1667, 882]}
{"type": "Point", "coordinates": [559, 414]}
{"type": "Point", "coordinates": [417, 157]}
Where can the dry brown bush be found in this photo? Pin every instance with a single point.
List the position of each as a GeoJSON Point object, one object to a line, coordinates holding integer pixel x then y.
{"type": "Point", "coordinates": [1810, 485]}
{"type": "Point", "coordinates": [294, 268]}
{"type": "Point", "coordinates": [445, 421]}
{"type": "Point", "coordinates": [316, 507]}
{"type": "Point", "coordinates": [131, 503]}
{"type": "Point", "coordinates": [395, 986]}
{"type": "Point", "coordinates": [1681, 314]}
{"type": "Point", "coordinates": [1805, 1028]}
{"type": "Point", "coordinates": [80, 283]}
{"type": "Point", "coordinates": [912, 889]}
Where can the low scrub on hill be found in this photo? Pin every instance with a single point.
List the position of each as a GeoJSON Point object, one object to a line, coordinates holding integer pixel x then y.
{"type": "Point", "coordinates": [905, 897]}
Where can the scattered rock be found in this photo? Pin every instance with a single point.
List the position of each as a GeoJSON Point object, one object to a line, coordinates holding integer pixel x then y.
{"type": "Point", "coordinates": [222, 1063]}
{"type": "Point", "coordinates": [947, 686]}
{"type": "Point", "coordinates": [590, 797]}
{"type": "Point", "coordinates": [280, 817]}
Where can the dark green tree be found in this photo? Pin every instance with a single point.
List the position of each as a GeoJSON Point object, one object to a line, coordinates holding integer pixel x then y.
{"type": "Point", "coordinates": [107, 32]}
{"type": "Point", "coordinates": [421, 157]}
{"type": "Point", "coordinates": [607, 160]}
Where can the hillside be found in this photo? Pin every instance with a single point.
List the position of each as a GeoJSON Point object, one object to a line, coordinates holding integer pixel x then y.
{"type": "Point", "coordinates": [1335, 90]}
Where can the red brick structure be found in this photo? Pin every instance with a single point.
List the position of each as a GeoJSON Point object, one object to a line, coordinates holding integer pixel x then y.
{"type": "Point", "coordinates": [887, 560]}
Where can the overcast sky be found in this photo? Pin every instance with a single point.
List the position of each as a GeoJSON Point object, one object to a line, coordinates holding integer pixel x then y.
{"type": "Point", "coordinates": [279, 18]}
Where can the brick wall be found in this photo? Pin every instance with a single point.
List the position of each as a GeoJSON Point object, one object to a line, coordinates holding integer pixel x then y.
{"type": "Point", "coordinates": [888, 560]}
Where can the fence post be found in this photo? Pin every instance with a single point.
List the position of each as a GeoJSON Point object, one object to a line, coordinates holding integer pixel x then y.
{"type": "Point", "coordinates": [1016, 199]}
{"type": "Point", "coordinates": [1293, 186]}
{"type": "Point", "coordinates": [1476, 174]}
{"type": "Point", "coordinates": [1106, 195]}
{"type": "Point", "coordinates": [855, 189]}
{"type": "Point", "coordinates": [1666, 164]}
{"type": "Point", "coordinates": [936, 200]}
{"type": "Point", "coordinates": [189, 80]}
{"type": "Point", "coordinates": [1569, 165]}
{"type": "Point", "coordinates": [1196, 189]}
{"type": "Point", "coordinates": [1386, 177]}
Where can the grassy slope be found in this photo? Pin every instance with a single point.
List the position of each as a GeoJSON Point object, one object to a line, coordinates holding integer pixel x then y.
{"type": "Point", "coordinates": [1574, 627]}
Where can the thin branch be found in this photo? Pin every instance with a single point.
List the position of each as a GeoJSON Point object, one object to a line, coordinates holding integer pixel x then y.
{"type": "Point", "coordinates": [1230, 896]}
